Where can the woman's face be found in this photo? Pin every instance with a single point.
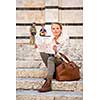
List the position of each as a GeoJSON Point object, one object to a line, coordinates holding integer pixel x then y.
{"type": "Point", "coordinates": [56, 30]}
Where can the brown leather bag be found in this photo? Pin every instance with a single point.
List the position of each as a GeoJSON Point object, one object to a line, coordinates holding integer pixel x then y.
{"type": "Point", "coordinates": [67, 70]}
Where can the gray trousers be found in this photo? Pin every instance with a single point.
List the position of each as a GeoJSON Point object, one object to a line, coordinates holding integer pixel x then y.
{"type": "Point", "coordinates": [51, 62]}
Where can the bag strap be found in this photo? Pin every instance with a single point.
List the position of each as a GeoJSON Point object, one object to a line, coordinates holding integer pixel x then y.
{"type": "Point", "coordinates": [63, 57]}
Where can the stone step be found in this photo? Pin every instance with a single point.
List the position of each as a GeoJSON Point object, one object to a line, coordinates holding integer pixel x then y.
{"type": "Point", "coordinates": [29, 64]}
{"type": "Point", "coordinates": [34, 72]}
{"type": "Point", "coordinates": [24, 51]}
{"type": "Point", "coordinates": [27, 52]}
{"type": "Point", "coordinates": [36, 83]}
{"type": "Point", "coordinates": [52, 95]}
{"type": "Point", "coordinates": [31, 72]}
{"type": "Point", "coordinates": [36, 64]}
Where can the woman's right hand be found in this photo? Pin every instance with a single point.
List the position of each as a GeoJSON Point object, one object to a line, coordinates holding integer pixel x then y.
{"type": "Point", "coordinates": [55, 48]}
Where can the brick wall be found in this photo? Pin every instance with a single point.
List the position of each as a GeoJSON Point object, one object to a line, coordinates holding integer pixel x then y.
{"type": "Point", "coordinates": [67, 12]}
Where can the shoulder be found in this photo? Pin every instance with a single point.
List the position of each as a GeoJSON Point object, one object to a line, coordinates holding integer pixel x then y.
{"type": "Point", "coordinates": [63, 37]}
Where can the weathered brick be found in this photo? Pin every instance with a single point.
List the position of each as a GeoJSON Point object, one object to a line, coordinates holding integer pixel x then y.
{"type": "Point", "coordinates": [71, 16]}
{"type": "Point", "coordinates": [51, 15]}
{"type": "Point", "coordinates": [25, 30]}
{"type": "Point", "coordinates": [51, 2]}
{"type": "Point", "coordinates": [73, 30]}
{"type": "Point", "coordinates": [71, 3]}
{"type": "Point", "coordinates": [28, 16]}
{"type": "Point", "coordinates": [30, 3]}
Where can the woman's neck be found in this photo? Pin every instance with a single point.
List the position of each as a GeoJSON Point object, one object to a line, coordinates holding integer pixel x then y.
{"type": "Point", "coordinates": [57, 36]}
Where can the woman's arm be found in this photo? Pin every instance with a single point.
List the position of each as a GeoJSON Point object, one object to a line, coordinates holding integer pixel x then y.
{"type": "Point", "coordinates": [63, 46]}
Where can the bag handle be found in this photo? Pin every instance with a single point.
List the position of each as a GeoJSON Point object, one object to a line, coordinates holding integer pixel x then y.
{"type": "Point", "coordinates": [63, 57]}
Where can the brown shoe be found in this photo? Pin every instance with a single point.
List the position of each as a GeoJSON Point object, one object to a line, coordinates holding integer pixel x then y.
{"type": "Point", "coordinates": [46, 86]}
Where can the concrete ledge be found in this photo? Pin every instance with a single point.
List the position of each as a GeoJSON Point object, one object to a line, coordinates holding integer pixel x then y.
{"type": "Point", "coordinates": [52, 95]}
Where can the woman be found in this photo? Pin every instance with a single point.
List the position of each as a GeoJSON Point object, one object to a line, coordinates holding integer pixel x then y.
{"type": "Point", "coordinates": [59, 45]}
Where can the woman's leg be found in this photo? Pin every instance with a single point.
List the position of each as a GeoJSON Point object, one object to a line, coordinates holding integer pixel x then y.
{"type": "Point", "coordinates": [44, 57]}
{"type": "Point", "coordinates": [51, 66]}
{"type": "Point", "coordinates": [51, 62]}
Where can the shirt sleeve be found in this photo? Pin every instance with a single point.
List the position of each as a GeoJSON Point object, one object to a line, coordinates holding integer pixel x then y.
{"type": "Point", "coordinates": [64, 46]}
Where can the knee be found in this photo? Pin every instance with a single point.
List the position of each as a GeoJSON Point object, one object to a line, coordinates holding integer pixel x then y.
{"type": "Point", "coordinates": [51, 59]}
